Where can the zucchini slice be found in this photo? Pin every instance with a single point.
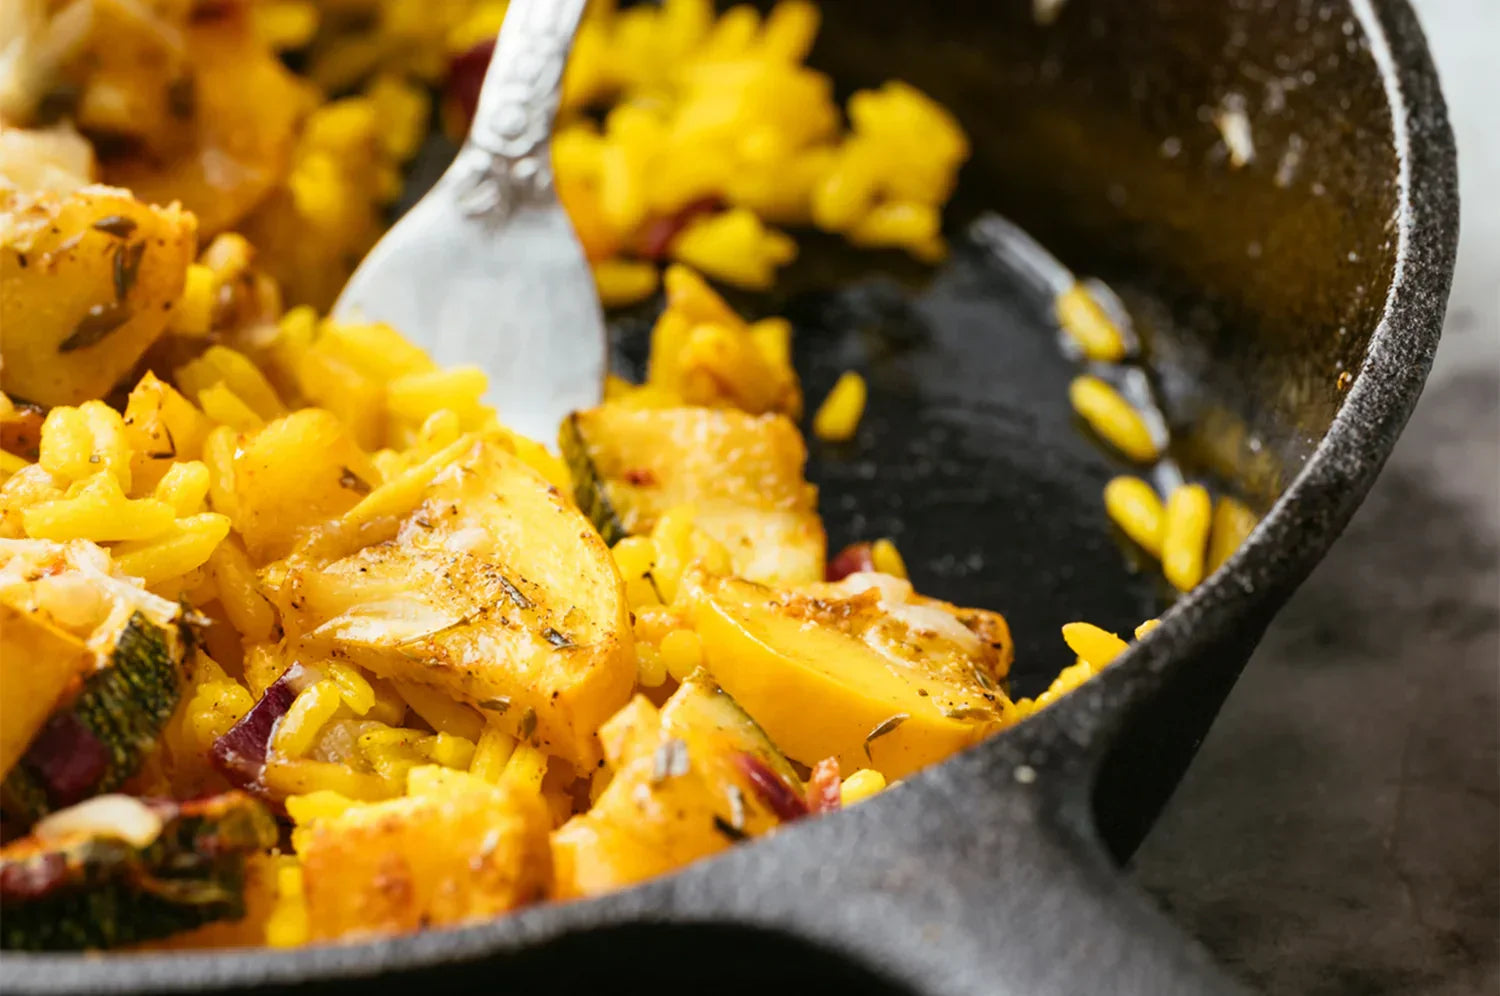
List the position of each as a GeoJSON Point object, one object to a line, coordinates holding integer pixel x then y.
{"type": "Point", "coordinates": [86, 692]}
{"type": "Point", "coordinates": [98, 740]}
{"type": "Point", "coordinates": [742, 473]}
{"type": "Point", "coordinates": [87, 888]}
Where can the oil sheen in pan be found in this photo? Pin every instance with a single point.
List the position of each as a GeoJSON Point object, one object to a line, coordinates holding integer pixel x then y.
{"type": "Point", "coordinates": [969, 454]}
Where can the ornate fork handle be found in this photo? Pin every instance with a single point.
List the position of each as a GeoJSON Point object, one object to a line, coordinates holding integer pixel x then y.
{"type": "Point", "coordinates": [505, 162]}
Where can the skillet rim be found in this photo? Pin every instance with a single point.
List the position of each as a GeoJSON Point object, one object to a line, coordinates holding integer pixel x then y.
{"type": "Point", "coordinates": [1072, 735]}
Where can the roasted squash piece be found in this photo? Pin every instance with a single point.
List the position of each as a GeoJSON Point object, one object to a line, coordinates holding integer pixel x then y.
{"type": "Point", "coordinates": [741, 473]}
{"type": "Point", "coordinates": [460, 850]}
{"type": "Point", "coordinates": [120, 652]}
{"type": "Point", "coordinates": [39, 664]}
{"type": "Point", "coordinates": [131, 77]}
{"type": "Point", "coordinates": [242, 108]}
{"type": "Point", "coordinates": [474, 576]}
{"type": "Point", "coordinates": [87, 280]}
{"type": "Point", "coordinates": [687, 782]}
{"type": "Point", "coordinates": [862, 670]}
{"type": "Point", "coordinates": [704, 354]}
{"type": "Point", "coordinates": [296, 473]}
{"type": "Point", "coordinates": [117, 870]}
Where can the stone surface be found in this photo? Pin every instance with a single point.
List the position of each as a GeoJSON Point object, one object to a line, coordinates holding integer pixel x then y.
{"type": "Point", "coordinates": [1338, 832]}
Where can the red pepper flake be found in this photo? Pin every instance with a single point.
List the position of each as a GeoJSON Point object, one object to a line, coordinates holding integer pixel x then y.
{"type": "Point", "coordinates": [856, 558]}
{"type": "Point", "coordinates": [641, 477]}
{"type": "Point", "coordinates": [823, 788]}
{"type": "Point", "coordinates": [779, 797]}
{"type": "Point", "coordinates": [656, 239]}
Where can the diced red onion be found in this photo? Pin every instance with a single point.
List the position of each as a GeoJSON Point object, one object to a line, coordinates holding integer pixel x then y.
{"type": "Point", "coordinates": [771, 788]}
{"type": "Point", "coordinates": [657, 237]}
{"type": "Point", "coordinates": [823, 788]}
{"type": "Point", "coordinates": [67, 759]}
{"type": "Point", "coordinates": [240, 754]}
{"type": "Point", "coordinates": [856, 558]}
{"type": "Point", "coordinates": [32, 878]}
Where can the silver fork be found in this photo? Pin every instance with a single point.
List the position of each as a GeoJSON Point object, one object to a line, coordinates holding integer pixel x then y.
{"type": "Point", "coordinates": [485, 269]}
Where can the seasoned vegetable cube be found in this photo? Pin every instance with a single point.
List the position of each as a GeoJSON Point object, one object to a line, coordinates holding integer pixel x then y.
{"type": "Point", "coordinates": [476, 579]}
{"type": "Point", "coordinates": [462, 850]}
{"type": "Point", "coordinates": [687, 782]}
{"type": "Point", "coordinates": [863, 670]}
{"type": "Point", "coordinates": [87, 281]}
{"type": "Point", "coordinates": [741, 473]}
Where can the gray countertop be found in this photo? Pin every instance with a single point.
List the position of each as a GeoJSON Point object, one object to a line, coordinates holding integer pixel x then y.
{"type": "Point", "coordinates": [1339, 831]}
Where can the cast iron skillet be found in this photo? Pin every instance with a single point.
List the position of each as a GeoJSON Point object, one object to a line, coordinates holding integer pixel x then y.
{"type": "Point", "coordinates": [1254, 289]}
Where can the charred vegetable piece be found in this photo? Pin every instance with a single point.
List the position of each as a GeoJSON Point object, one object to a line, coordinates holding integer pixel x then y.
{"type": "Point", "coordinates": [238, 145]}
{"type": "Point", "coordinates": [90, 664]}
{"type": "Point", "coordinates": [743, 475]}
{"type": "Point", "coordinates": [82, 885]}
{"type": "Point", "coordinates": [80, 304]}
{"type": "Point", "coordinates": [457, 849]}
{"type": "Point", "coordinates": [688, 782]}
{"type": "Point", "coordinates": [40, 664]}
{"type": "Point", "coordinates": [476, 580]}
{"type": "Point", "coordinates": [98, 739]}
{"type": "Point", "coordinates": [864, 671]}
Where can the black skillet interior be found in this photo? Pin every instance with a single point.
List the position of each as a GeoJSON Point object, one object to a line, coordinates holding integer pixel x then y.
{"type": "Point", "coordinates": [1254, 288]}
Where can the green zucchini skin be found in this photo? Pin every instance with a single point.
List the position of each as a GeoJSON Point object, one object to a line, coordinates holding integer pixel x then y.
{"type": "Point", "coordinates": [93, 892]}
{"type": "Point", "coordinates": [123, 706]}
{"type": "Point", "coordinates": [590, 488]}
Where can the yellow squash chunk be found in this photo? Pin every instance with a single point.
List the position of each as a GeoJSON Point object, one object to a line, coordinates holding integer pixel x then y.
{"type": "Point", "coordinates": [485, 584]}
{"type": "Point", "coordinates": [469, 851]}
{"type": "Point", "coordinates": [87, 281]}
{"type": "Point", "coordinates": [39, 664]}
{"type": "Point", "coordinates": [297, 472]}
{"type": "Point", "coordinates": [862, 670]}
{"type": "Point", "coordinates": [702, 353]}
{"type": "Point", "coordinates": [680, 791]}
{"type": "Point", "coordinates": [241, 128]}
{"type": "Point", "coordinates": [743, 475]}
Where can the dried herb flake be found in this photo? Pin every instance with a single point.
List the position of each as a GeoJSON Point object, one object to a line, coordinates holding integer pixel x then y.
{"type": "Point", "coordinates": [555, 638]}
{"type": "Point", "coordinates": [513, 593]}
{"type": "Point", "coordinates": [349, 479]}
{"type": "Point", "coordinates": [498, 705]}
{"type": "Point", "coordinates": [733, 833]}
{"type": "Point", "coordinates": [127, 267]}
{"type": "Point", "coordinates": [98, 322]}
{"type": "Point", "coordinates": [886, 726]}
{"type": "Point", "coordinates": [968, 712]}
{"type": "Point", "coordinates": [117, 225]}
{"type": "Point", "coordinates": [528, 723]}
{"type": "Point", "coordinates": [182, 97]}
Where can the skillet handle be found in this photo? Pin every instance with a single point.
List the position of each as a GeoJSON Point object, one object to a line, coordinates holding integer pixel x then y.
{"type": "Point", "coordinates": [953, 895]}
